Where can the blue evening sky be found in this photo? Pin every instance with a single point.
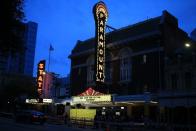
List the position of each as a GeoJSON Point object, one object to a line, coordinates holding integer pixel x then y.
{"type": "Point", "coordinates": [63, 22]}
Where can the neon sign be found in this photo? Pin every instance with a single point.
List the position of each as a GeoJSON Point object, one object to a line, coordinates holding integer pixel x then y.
{"type": "Point", "coordinates": [100, 15]}
{"type": "Point", "coordinates": [40, 71]}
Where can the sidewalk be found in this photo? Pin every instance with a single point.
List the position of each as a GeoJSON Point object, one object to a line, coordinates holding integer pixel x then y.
{"type": "Point", "coordinates": [6, 115]}
{"type": "Point", "coordinates": [84, 129]}
{"type": "Point", "coordinates": [55, 120]}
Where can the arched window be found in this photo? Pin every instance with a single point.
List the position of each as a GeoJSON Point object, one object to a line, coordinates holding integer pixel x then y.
{"type": "Point", "coordinates": [125, 64]}
{"type": "Point", "coordinates": [90, 70]}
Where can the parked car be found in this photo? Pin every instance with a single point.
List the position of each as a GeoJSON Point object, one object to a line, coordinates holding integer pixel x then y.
{"type": "Point", "coordinates": [30, 116]}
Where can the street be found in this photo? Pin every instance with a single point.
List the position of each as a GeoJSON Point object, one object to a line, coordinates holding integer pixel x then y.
{"type": "Point", "coordinates": [10, 125]}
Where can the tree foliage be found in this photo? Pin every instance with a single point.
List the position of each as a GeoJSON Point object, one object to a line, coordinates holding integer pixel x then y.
{"type": "Point", "coordinates": [11, 28]}
{"type": "Point", "coordinates": [16, 86]}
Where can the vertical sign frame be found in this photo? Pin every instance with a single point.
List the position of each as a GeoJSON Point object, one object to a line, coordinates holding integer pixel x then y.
{"type": "Point", "coordinates": [100, 15]}
{"type": "Point", "coordinates": [40, 77]}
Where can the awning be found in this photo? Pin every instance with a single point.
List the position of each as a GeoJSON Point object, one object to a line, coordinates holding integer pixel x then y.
{"type": "Point", "coordinates": [177, 98]}
{"type": "Point", "coordinates": [176, 102]}
{"type": "Point", "coordinates": [91, 92]}
{"type": "Point", "coordinates": [143, 98]}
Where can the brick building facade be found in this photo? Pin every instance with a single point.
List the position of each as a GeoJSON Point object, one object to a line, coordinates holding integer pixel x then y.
{"type": "Point", "coordinates": [149, 65]}
{"type": "Point", "coordinates": [135, 57]}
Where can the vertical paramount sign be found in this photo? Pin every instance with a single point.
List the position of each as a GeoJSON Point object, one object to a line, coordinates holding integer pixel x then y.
{"type": "Point", "coordinates": [100, 15]}
{"type": "Point", "coordinates": [40, 70]}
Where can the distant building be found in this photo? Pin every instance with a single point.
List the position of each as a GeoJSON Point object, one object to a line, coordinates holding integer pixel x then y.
{"type": "Point", "coordinates": [22, 62]}
{"type": "Point", "coordinates": [55, 87]}
{"type": "Point", "coordinates": [30, 44]}
{"type": "Point", "coordinates": [67, 86]}
{"type": "Point", "coordinates": [63, 90]}
{"type": "Point", "coordinates": [193, 34]}
{"type": "Point", "coordinates": [4, 62]}
{"type": "Point", "coordinates": [50, 84]}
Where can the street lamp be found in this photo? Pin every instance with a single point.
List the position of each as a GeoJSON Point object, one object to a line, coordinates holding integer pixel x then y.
{"type": "Point", "coordinates": [43, 72]}
{"type": "Point", "coordinates": [187, 45]}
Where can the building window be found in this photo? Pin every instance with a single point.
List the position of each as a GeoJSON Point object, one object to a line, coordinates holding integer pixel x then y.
{"type": "Point", "coordinates": [125, 73]}
{"type": "Point", "coordinates": [144, 59]}
{"type": "Point", "coordinates": [108, 72]}
{"type": "Point", "coordinates": [90, 74]}
{"type": "Point", "coordinates": [79, 71]}
{"type": "Point", "coordinates": [174, 80]}
{"type": "Point", "coordinates": [125, 65]}
{"type": "Point", "coordinates": [188, 80]}
{"type": "Point", "coordinates": [90, 70]}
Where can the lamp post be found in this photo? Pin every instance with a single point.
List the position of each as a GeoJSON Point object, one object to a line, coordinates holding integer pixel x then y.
{"type": "Point", "coordinates": [188, 45]}
{"type": "Point", "coordinates": [44, 73]}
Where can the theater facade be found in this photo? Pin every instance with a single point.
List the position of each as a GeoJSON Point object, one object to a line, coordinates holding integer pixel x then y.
{"type": "Point", "coordinates": [136, 69]}
{"type": "Point", "coordinates": [134, 57]}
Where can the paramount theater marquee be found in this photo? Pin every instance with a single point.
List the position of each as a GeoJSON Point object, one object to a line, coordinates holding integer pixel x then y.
{"type": "Point", "coordinates": [92, 99]}
{"type": "Point", "coordinates": [100, 16]}
{"type": "Point", "coordinates": [91, 96]}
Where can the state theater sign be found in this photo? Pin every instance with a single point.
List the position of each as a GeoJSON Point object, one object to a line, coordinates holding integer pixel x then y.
{"type": "Point", "coordinates": [100, 15]}
{"type": "Point", "coordinates": [40, 70]}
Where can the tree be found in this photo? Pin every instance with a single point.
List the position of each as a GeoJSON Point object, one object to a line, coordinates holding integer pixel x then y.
{"type": "Point", "coordinates": [11, 27]}
{"type": "Point", "coordinates": [17, 86]}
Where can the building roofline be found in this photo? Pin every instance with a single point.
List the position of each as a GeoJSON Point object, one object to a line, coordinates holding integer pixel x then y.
{"type": "Point", "coordinates": [120, 29]}
{"type": "Point", "coordinates": [116, 43]}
